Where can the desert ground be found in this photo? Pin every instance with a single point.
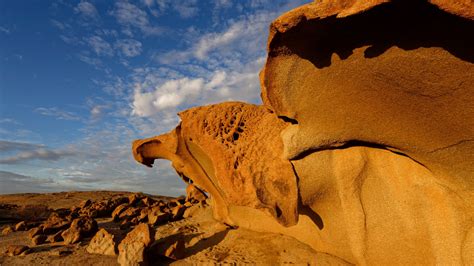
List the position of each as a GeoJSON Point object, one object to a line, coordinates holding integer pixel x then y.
{"type": "Point", "coordinates": [195, 238]}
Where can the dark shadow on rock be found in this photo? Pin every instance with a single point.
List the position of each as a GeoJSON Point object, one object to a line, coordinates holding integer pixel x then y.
{"type": "Point", "coordinates": [407, 24]}
{"type": "Point", "coordinates": [305, 210]}
{"type": "Point", "coordinates": [155, 252]}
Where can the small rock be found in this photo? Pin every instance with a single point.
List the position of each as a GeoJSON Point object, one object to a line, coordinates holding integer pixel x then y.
{"type": "Point", "coordinates": [102, 243]}
{"type": "Point", "coordinates": [54, 224]}
{"type": "Point", "coordinates": [62, 251]}
{"type": "Point", "coordinates": [132, 248]}
{"type": "Point", "coordinates": [118, 211]}
{"type": "Point", "coordinates": [129, 213]}
{"type": "Point", "coordinates": [21, 226]}
{"type": "Point", "coordinates": [55, 238]}
{"type": "Point", "coordinates": [146, 202]}
{"type": "Point", "coordinates": [80, 228]}
{"type": "Point", "coordinates": [7, 230]}
{"type": "Point", "coordinates": [175, 251]}
{"type": "Point", "coordinates": [155, 216]}
{"type": "Point", "coordinates": [85, 203]}
{"type": "Point", "coordinates": [15, 250]}
{"type": "Point", "coordinates": [71, 236]}
{"type": "Point", "coordinates": [178, 212]}
{"type": "Point", "coordinates": [135, 198]}
{"type": "Point", "coordinates": [35, 231]}
{"type": "Point", "coordinates": [39, 239]}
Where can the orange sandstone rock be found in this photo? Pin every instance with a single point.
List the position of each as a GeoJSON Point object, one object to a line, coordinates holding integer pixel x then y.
{"type": "Point", "coordinates": [232, 151]}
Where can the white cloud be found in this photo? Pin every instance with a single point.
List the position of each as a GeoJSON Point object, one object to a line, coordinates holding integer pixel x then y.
{"type": "Point", "coordinates": [186, 8]}
{"type": "Point", "coordinates": [221, 85]}
{"type": "Point", "coordinates": [58, 114]}
{"type": "Point", "coordinates": [87, 10]}
{"type": "Point", "coordinates": [100, 46]}
{"type": "Point", "coordinates": [129, 15]}
{"type": "Point", "coordinates": [129, 47]}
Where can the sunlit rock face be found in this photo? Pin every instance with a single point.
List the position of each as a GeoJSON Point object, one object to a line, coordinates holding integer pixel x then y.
{"type": "Point", "coordinates": [233, 151]}
{"type": "Point", "coordinates": [380, 95]}
{"type": "Point", "coordinates": [364, 148]}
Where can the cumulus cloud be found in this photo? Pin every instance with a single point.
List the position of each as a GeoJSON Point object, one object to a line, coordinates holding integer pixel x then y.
{"type": "Point", "coordinates": [131, 16]}
{"type": "Point", "coordinates": [244, 36]}
{"type": "Point", "coordinates": [87, 10]}
{"type": "Point", "coordinates": [100, 46]}
{"type": "Point", "coordinates": [129, 47]}
{"type": "Point", "coordinates": [58, 114]}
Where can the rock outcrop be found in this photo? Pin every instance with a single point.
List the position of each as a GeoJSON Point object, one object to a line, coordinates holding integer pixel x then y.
{"type": "Point", "coordinates": [363, 148]}
{"type": "Point", "coordinates": [233, 151]}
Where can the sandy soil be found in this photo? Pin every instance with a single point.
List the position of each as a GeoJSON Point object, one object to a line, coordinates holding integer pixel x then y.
{"type": "Point", "coordinates": [206, 241]}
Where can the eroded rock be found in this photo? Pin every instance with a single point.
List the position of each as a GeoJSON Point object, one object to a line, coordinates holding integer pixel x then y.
{"type": "Point", "coordinates": [16, 250]}
{"type": "Point", "coordinates": [132, 248]}
{"type": "Point", "coordinates": [102, 243]}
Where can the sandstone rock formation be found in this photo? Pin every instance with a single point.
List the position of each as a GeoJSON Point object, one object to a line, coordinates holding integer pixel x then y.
{"type": "Point", "coordinates": [216, 148]}
{"type": "Point", "coordinates": [364, 148]}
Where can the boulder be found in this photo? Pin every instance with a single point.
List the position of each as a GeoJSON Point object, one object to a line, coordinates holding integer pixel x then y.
{"type": "Point", "coordinates": [15, 250]}
{"type": "Point", "coordinates": [80, 228]}
{"type": "Point", "coordinates": [7, 230]}
{"type": "Point", "coordinates": [132, 248]}
{"type": "Point", "coordinates": [21, 226]}
{"type": "Point", "coordinates": [156, 216]}
{"type": "Point", "coordinates": [85, 204]}
{"type": "Point", "coordinates": [118, 210]}
{"type": "Point", "coordinates": [39, 239]}
{"type": "Point", "coordinates": [177, 212]}
{"type": "Point", "coordinates": [54, 238]}
{"type": "Point", "coordinates": [55, 223]}
{"type": "Point", "coordinates": [102, 243]}
{"type": "Point", "coordinates": [35, 231]}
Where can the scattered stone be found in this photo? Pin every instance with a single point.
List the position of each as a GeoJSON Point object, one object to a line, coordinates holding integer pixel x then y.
{"type": "Point", "coordinates": [71, 236]}
{"type": "Point", "coordinates": [55, 237]}
{"type": "Point", "coordinates": [80, 228]}
{"type": "Point", "coordinates": [15, 250]}
{"type": "Point", "coordinates": [102, 243]}
{"type": "Point", "coordinates": [35, 231]}
{"type": "Point", "coordinates": [156, 216]}
{"type": "Point", "coordinates": [39, 239]}
{"type": "Point", "coordinates": [178, 212]}
{"type": "Point", "coordinates": [54, 224]}
{"type": "Point", "coordinates": [21, 226]}
{"type": "Point", "coordinates": [62, 251]}
{"type": "Point", "coordinates": [132, 248]}
{"type": "Point", "coordinates": [129, 213]}
{"type": "Point", "coordinates": [146, 201]}
{"type": "Point", "coordinates": [85, 203]}
{"type": "Point", "coordinates": [135, 198]}
{"type": "Point", "coordinates": [118, 211]}
{"type": "Point", "coordinates": [7, 230]}
{"type": "Point", "coordinates": [175, 251]}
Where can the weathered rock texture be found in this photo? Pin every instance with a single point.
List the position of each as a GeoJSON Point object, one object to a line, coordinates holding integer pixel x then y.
{"type": "Point", "coordinates": [231, 150]}
{"type": "Point", "coordinates": [364, 148]}
{"type": "Point", "coordinates": [380, 96]}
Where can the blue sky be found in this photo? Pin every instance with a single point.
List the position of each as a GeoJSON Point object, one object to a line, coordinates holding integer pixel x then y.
{"type": "Point", "coordinates": [79, 80]}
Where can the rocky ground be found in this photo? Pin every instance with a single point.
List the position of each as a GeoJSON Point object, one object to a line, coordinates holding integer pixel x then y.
{"type": "Point", "coordinates": [111, 228]}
